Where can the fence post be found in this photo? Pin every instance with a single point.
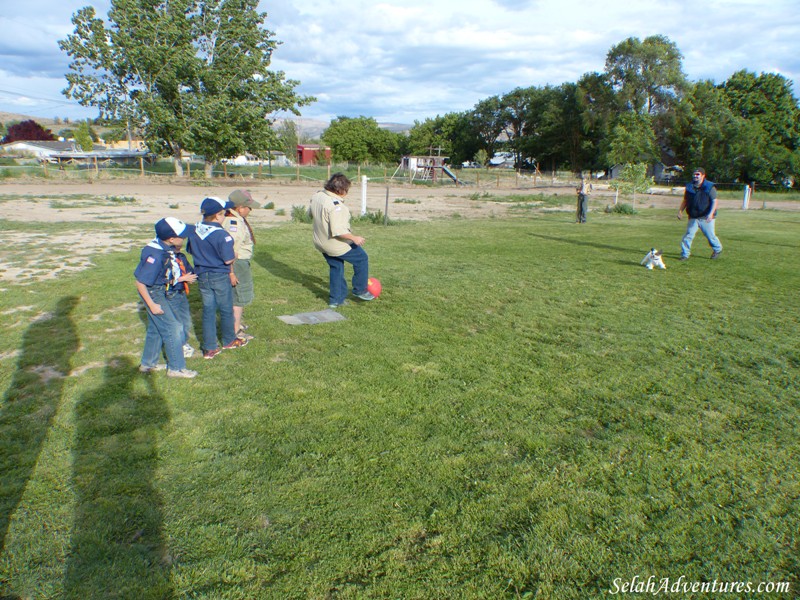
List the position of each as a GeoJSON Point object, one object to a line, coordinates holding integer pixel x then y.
{"type": "Point", "coordinates": [386, 212]}
{"type": "Point", "coordinates": [363, 194]}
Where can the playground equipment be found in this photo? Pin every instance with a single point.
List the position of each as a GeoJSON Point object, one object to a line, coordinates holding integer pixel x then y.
{"type": "Point", "coordinates": [426, 168]}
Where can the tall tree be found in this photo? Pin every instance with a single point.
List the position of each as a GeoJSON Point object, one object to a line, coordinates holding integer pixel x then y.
{"type": "Point", "coordinates": [766, 101]}
{"type": "Point", "coordinates": [193, 73]}
{"type": "Point", "coordinates": [361, 140]}
{"type": "Point", "coordinates": [488, 120]}
{"type": "Point", "coordinates": [648, 75]}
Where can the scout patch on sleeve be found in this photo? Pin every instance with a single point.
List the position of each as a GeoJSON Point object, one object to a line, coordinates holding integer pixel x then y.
{"type": "Point", "coordinates": [228, 238]}
{"type": "Point", "coordinates": [151, 260]}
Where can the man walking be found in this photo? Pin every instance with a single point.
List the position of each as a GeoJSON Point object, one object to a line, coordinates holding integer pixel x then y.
{"type": "Point", "coordinates": [700, 203]}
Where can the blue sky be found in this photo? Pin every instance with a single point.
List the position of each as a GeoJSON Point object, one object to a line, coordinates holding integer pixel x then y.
{"type": "Point", "coordinates": [406, 60]}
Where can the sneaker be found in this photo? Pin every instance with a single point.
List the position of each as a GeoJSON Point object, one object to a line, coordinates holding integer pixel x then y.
{"type": "Point", "coordinates": [183, 373]}
{"type": "Point", "coordinates": [209, 354]}
{"type": "Point", "coordinates": [335, 305]}
{"type": "Point", "coordinates": [188, 351]}
{"type": "Point", "coordinates": [366, 296]}
{"type": "Point", "coordinates": [237, 343]}
{"type": "Point", "coordinates": [149, 369]}
{"type": "Point", "coordinates": [243, 335]}
{"type": "Point", "coordinates": [716, 254]}
{"type": "Point", "coordinates": [684, 258]}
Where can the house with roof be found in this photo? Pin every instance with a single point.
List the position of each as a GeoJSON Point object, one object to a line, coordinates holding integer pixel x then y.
{"type": "Point", "coordinates": [37, 148]}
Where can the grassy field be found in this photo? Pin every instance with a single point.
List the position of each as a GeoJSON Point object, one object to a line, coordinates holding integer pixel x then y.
{"type": "Point", "coordinates": [524, 413]}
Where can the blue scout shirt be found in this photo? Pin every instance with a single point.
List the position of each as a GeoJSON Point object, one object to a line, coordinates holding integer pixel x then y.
{"type": "Point", "coordinates": [211, 247]}
{"type": "Point", "coordinates": [161, 265]}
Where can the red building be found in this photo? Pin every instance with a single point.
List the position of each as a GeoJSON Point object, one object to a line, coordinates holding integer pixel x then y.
{"type": "Point", "coordinates": [311, 154]}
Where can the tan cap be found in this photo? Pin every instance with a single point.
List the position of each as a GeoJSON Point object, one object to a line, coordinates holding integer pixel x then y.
{"type": "Point", "coordinates": [243, 198]}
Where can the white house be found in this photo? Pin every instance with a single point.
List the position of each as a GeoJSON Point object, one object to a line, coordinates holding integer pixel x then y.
{"type": "Point", "coordinates": [39, 149]}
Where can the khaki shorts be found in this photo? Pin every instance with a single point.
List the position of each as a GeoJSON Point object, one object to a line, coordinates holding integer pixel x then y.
{"type": "Point", "coordinates": [243, 292]}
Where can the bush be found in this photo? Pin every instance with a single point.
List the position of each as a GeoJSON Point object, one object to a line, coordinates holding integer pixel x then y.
{"type": "Point", "coordinates": [269, 205]}
{"type": "Point", "coordinates": [375, 218]}
{"type": "Point", "coordinates": [301, 214]}
{"type": "Point", "coordinates": [621, 209]}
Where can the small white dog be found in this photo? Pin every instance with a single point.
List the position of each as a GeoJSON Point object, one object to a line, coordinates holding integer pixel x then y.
{"type": "Point", "coordinates": [653, 259]}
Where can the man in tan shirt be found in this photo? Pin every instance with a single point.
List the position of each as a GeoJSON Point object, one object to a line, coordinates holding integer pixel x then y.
{"type": "Point", "coordinates": [337, 243]}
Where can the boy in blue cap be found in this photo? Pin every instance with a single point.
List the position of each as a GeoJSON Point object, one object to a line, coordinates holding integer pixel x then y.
{"type": "Point", "coordinates": [212, 249]}
{"type": "Point", "coordinates": [161, 280]}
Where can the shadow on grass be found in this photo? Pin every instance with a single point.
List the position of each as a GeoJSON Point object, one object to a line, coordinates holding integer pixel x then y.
{"type": "Point", "coordinates": [577, 242]}
{"type": "Point", "coordinates": [316, 285]}
{"type": "Point", "coordinates": [117, 544]}
{"type": "Point", "coordinates": [31, 402]}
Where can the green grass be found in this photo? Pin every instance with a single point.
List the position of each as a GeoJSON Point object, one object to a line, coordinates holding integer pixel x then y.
{"type": "Point", "coordinates": [525, 412]}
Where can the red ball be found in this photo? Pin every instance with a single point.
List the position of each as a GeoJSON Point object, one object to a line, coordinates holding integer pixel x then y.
{"type": "Point", "coordinates": [374, 286]}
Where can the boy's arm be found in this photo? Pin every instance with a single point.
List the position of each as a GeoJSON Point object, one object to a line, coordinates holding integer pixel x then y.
{"type": "Point", "coordinates": [152, 306]}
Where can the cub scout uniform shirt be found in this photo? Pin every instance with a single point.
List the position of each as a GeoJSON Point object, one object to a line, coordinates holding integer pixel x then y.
{"type": "Point", "coordinates": [331, 219]}
{"type": "Point", "coordinates": [242, 241]}
{"type": "Point", "coordinates": [211, 247]}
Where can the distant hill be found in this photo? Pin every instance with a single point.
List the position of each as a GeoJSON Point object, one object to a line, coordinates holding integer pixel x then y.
{"type": "Point", "coordinates": [306, 128]}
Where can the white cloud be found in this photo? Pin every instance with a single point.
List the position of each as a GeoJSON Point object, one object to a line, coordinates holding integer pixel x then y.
{"type": "Point", "coordinates": [412, 59]}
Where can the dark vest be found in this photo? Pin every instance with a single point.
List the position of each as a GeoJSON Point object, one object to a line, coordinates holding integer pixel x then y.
{"type": "Point", "coordinates": [699, 201]}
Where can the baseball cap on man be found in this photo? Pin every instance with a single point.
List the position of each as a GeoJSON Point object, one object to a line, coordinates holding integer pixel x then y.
{"type": "Point", "coordinates": [171, 227]}
{"type": "Point", "coordinates": [243, 198]}
{"type": "Point", "coordinates": [211, 206]}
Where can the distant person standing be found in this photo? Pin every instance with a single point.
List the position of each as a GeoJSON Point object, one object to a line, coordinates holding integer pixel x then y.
{"type": "Point", "coordinates": [583, 200]}
{"type": "Point", "coordinates": [337, 243]}
{"type": "Point", "coordinates": [700, 203]}
{"type": "Point", "coordinates": [244, 240]}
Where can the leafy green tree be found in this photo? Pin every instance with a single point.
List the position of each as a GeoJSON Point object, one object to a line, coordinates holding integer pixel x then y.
{"type": "Point", "coordinates": [707, 133]}
{"type": "Point", "coordinates": [488, 120]}
{"type": "Point", "coordinates": [648, 75]}
{"type": "Point", "coordinates": [632, 140]}
{"type": "Point", "coordinates": [193, 73]}
{"type": "Point", "coordinates": [83, 137]}
{"type": "Point", "coordinates": [361, 140]}
{"type": "Point", "coordinates": [287, 138]}
{"type": "Point", "coordinates": [767, 103]}
{"type": "Point", "coordinates": [632, 179]}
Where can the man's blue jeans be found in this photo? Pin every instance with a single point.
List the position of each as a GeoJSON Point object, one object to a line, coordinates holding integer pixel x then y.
{"type": "Point", "coordinates": [357, 257]}
{"type": "Point", "coordinates": [165, 331]}
{"type": "Point", "coordinates": [217, 293]}
{"type": "Point", "coordinates": [707, 227]}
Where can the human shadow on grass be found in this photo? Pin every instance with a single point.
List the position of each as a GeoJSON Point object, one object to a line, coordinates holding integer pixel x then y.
{"type": "Point", "coordinates": [316, 285]}
{"type": "Point", "coordinates": [117, 546]}
{"type": "Point", "coordinates": [31, 402]}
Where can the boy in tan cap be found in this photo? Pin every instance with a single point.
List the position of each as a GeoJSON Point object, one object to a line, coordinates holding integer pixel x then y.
{"type": "Point", "coordinates": [237, 225]}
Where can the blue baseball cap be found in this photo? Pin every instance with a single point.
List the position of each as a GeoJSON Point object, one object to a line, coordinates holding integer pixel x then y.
{"type": "Point", "coordinates": [211, 206]}
{"type": "Point", "coordinates": [171, 227]}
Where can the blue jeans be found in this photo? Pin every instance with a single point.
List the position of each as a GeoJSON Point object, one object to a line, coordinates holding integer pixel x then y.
{"type": "Point", "coordinates": [708, 230]}
{"type": "Point", "coordinates": [165, 331]}
{"type": "Point", "coordinates": [357, 257]}
{"type": "Point", "coordinates": [217, 293]}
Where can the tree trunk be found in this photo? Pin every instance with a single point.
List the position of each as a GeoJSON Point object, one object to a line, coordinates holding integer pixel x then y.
{"type": "Point", "coordinates": [209, 169]}
{"type": "Point", "coordinates": [176, 159]}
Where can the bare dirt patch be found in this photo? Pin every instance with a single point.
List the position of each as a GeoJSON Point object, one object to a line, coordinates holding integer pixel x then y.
{"type": "Point", "coordinates": [124, 206]}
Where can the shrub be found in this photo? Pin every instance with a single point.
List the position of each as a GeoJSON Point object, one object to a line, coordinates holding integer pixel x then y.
{"type": "Point", "coordinates": [301, 214]}
{"type": "Point", "coordinates": [621, 209]}
{"type": "Point", "coordinates": [269, 205]}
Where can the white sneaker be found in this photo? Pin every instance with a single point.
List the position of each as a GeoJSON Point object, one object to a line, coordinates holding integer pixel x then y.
{"type": "Point", "coordinates": [188, 351]}
{"type": "Point", "coordinates": [183, 373]}
{"type": "Point", "coordinates": [149, 369]}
